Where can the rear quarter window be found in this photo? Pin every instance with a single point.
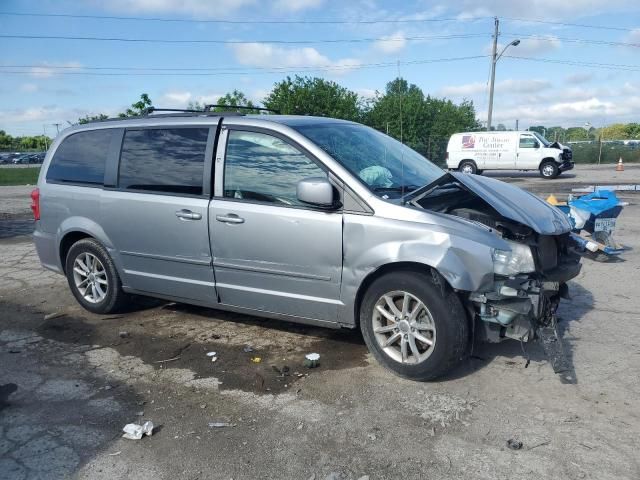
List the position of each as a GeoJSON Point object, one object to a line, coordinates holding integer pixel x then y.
{"type": "Point", "coordinates": [81, 158]}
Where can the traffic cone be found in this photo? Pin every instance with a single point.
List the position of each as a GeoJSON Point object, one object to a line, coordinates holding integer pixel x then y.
{"type": "Point", "coordinates": [620, 166]}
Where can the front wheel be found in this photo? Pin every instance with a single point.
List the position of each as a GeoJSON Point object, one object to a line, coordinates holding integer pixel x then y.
{"type": "Point", "coordinates": [549, 170]}
{"type": "Point", "coordinates": [412, 327]}
{"type": "Point", "coordinates": [468, 166]}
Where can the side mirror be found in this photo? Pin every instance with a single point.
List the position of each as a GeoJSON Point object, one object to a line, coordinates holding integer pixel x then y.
{"type": "Point", "coordinates": [316, 191]}
{"type": "Point", "coordinates": [536, 144]}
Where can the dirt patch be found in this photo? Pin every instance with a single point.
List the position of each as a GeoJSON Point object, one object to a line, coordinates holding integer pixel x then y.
{"type": "Point", "coordinates": [179, 336]}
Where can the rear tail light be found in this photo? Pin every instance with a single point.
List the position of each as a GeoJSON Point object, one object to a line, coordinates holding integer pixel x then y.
{"type": "Point", "coordinates": [35, 203]}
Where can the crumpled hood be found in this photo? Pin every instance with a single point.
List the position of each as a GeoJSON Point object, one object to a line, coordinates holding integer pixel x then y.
{"type": "Point", "coordinates": [516, 204]}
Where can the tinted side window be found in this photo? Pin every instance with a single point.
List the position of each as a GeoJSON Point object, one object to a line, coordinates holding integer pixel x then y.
{"type": "Point", "coordinates": [263, 168]}
{"type": "Point", "coordinates": [81, 157]}
{"type": "Point", "coordinates": [164, 160]}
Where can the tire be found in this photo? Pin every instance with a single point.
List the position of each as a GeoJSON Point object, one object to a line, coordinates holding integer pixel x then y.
{"type": "Point", "coordinates": [104, 292]}
{"type": "Point", "coordinates": [443, 321]}
{"type": "Point", "coordinates": [468, 166]}
{"type": "Point", "coordinates": [549, 169]}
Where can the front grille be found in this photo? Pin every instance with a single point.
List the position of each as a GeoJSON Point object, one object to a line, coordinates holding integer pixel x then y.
{"type": "Point", "coordinates": [567, 154]}
{"type": "Point", "coordinates": [547, 252]}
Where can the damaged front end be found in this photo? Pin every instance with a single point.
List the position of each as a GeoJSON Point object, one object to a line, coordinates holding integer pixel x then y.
{"type": "Point", "coordinates": [531, 278]}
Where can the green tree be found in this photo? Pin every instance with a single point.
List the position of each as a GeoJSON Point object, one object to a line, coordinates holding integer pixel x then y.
{"type": "Point", "coordinates": [423, 123]}
{"type": "Point", "coordinates": [313, 96]}
{"type": "Point", "coordinates": [616, 131]}
{"type": "Point", "coordinates": [92, 118]}
{"type": "Point", "coordinates": [227, 102]}
{"type": "Point", "coordinates": [577, 134]}
{"type": "Point", "coordinates": [138, 108]}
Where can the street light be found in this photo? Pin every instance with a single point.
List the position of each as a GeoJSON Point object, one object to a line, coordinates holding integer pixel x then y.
{"type": "Point", "coordinates": [494, 59]}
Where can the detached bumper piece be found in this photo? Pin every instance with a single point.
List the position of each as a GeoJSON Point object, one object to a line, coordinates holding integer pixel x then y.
{"type": "Point", "coordinates": [566, 165]}
{"type": "Point", "coordinates": [554, 349]}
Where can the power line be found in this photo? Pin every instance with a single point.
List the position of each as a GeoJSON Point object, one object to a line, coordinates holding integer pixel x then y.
{"type": "Point", "coordinates": [240, 42]}
{"type": "Point", "coordinates": [241, 22]}
{"type": "Point", "coordinates": [565, 24]}
{"type": "Point", "coordinates": [310, 22]}
{"type": "Point", "coordinates": [610, 66]}
{"type": "Point", "coordinates": [253, 70]}
{"type": "Point", "coordinates": [553, 38]}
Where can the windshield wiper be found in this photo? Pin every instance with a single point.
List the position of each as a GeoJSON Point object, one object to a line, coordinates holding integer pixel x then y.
{"type": "Point", "coordinates": [444, 178]}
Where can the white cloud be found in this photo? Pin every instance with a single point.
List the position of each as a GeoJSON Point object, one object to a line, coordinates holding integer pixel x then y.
{"type": "Point", "coordinates": [181, 99]}
{"type": "Point", "coordinates": [633, 37]}
{"type": "Point", "coordinates": [45, 70]}
{"type": "Point", "coordinates": [264, 55]}
{"type": "Point", "coordinates": [192, 8]}
{"type": "Point", "coordinates": [528, 47]}
{"type": "Point", "coordinates": [579, 77]}
{"type": "Point", "coordinates": [540, 8]}
{"type": "Point", "coordinates": [391, 43]}
{"type": "Point", "coordinates": [509, 86]}
{"type": "Point", "coordinates": [366, 92]}
{"type": "Point", "coordinates": [296, 5]}
{"type": "Point", "coordinates": [28, 87]}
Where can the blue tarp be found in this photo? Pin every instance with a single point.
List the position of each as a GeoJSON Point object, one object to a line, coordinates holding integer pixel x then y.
{"type": "Point", "coordinates": [596, 202]}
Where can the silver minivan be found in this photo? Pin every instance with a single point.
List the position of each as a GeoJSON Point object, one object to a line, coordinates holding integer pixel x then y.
{"type": "Point", "coordinates": [313, 220]}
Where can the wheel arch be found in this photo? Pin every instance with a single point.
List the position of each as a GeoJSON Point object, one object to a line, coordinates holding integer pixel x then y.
{"type": "Point", "coordinates": [468, 160]}
{"type": "Point", "coordinates": [546, 160]}
{"type": "Point", "coordinates": [403, 266]}
{"type": "Point", "coordinates": [74, 229]}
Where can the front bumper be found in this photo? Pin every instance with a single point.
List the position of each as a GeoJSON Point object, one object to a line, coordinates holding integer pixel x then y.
{"type": "Point", "coordinates": [566, 165]}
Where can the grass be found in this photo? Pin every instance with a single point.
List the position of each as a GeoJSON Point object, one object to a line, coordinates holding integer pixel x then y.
{"type": "Point", "coordinates": [19, 176]}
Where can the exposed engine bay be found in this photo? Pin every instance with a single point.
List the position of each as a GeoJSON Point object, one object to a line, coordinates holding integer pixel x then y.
{"type": "Point", "coordinates": [523, 300]}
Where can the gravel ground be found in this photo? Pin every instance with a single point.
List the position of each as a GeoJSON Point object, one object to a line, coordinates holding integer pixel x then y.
{"type": "Point", "coordinates": [82, 377]}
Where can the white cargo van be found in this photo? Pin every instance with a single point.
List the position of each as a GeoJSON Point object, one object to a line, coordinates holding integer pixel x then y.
{"type": "Point", "coordinates": [473, 152]}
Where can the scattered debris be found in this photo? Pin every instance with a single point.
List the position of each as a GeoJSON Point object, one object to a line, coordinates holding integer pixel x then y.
{"type": "Point", "coordinates": [124, 334]}
{"type": "Point", "coordinates": [221, 424]}
{"type": "Point", "coordinates": [133, 431]}
{"type": "Point", "coordinates": [51, 316]}
{"type": "Point", "coordinates": [203, 405]}
{"type": "Point", "coordinates": [14, 351]}
{"type": "Point", "coordinates": [211, 354]}
{"type": "Point", "coordinates": [541, 444]}
{"type": "Point", "coordinates": [140, 414]}
{"type": "Point", "coordinates": [215, 336]}
{"type": "Point", "coordinates": [514, 444]}
{"type": "Point", "coordinates": [256, 359]}
{"type": "Point", "coordinates": [312, 360]}
{"type": "Point", "coordinates": [168, 359]}
{"type": "Point", "coordinates": [247, 349]}
{"type": "Point", "coordinates": [115, 453]}
{"type": "Point", "coordinates": [372, 436]}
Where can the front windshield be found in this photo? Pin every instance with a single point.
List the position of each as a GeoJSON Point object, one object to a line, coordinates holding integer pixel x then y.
{"type": "Point", "coordinates": [385, 165]}
{"type": "Point", "coordinates": [544, 141]}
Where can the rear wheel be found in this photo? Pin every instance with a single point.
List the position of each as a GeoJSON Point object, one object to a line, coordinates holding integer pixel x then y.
{"type": "Point", "coordinates": [93, 278]}
{"type": "Point", "coordinates": [467, 166]}
{"type": "Point", "coordinates": [412, 328]}
{"type": "Point", "coordinates": [549, 169]}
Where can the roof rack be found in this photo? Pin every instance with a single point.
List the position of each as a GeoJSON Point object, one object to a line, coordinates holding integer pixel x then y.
{"type": "Point", "coordinates": [210, 107]}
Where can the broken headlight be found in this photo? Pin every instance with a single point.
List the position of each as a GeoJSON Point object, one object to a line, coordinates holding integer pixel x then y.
{"type": "Point", "coordinates": [518, 260]}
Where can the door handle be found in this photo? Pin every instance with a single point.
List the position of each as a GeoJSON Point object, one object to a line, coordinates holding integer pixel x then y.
{"type": "Point", "coordinates": [185, 214]}
{"type": "Point", "coordinates": [229, 218]}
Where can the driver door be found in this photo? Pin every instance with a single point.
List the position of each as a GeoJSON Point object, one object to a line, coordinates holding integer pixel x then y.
{"type": "Point", "coordinates": [528, 156]}
{"type": "Point", "coordinates": [271, 252]}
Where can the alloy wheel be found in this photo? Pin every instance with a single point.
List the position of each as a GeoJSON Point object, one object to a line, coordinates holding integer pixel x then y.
{"type": "Point", "coordinates": [90, 277]}
{"type": "Point", "coordinates": [404, 327]}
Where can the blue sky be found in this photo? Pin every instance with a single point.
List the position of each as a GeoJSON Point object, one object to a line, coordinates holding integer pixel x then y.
{"type": "Point", "coordinates": [536, 92]}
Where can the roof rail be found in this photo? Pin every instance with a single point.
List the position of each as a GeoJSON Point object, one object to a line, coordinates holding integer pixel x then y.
{"type": "Point", "coordinates": [210, 107]}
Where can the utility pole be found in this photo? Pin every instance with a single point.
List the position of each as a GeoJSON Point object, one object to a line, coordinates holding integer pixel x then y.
{"type": "Point", "coordinates": [57, 125]}
{"type": "Point", "coordinates": [495, 56]}
{"type": "Point", "coordinates": [44, 131]}
{"type": "Point", "coordinates": [494, 59]}
{"type": "Point", "coordinates": [516, 124]}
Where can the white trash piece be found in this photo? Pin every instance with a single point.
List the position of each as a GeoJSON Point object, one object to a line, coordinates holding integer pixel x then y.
{"type": "Point", "coordinates": [133, 431]}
